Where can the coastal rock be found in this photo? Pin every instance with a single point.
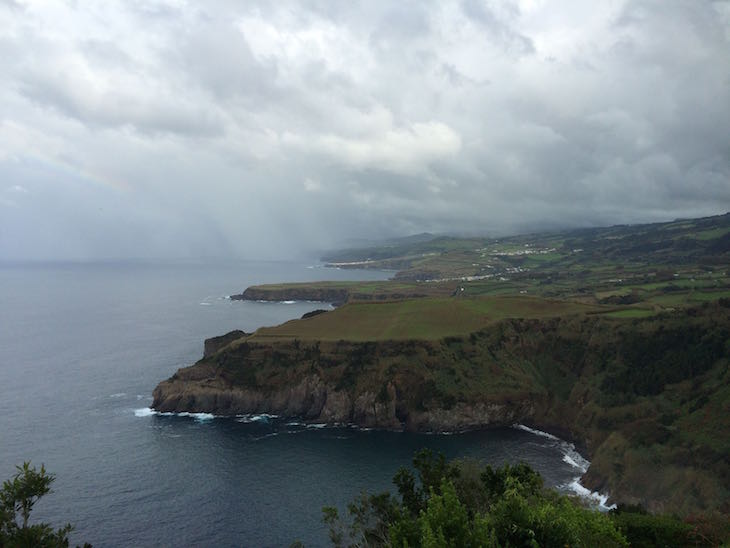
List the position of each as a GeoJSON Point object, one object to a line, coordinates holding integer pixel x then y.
{"type": "Point", "coordinates": [337, 407]}
{"type": "Point", "coordinates": [197, 390]}
{"type": "Point", "coordinates": [313, 313]}
{"type": "Point", "coordinates": [214, 344]}
{"type": "Point", "coordinates": [568, 376]}
{"type": "Point", "coordinates": [293, 293]}
{"type": "Point", "coordinates": [370, 411]}
{"type": "Point", "coordinates": [335, 296]}
{"type": "Point", "coordinates": [462, 416]}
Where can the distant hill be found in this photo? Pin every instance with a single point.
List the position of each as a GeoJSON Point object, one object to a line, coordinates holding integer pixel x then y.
{"type": "Point", "coordinates": [670, 241]}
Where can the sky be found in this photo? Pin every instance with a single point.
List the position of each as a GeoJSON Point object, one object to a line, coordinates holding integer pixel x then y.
{"type": "Point", "coordinates": [175, 129]}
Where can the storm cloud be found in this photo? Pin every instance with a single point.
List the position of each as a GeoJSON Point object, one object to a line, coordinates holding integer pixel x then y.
{"type": "Point", "coordinates": [269, 129]}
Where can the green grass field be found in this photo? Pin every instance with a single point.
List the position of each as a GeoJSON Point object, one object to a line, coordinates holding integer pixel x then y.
{"type": "Point", "coordinates": [622, 271]}
{"type": "Point", "coordinates": [424, 319]}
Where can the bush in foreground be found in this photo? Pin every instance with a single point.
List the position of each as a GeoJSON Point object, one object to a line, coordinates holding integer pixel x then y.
{"type": "Point", "coordinates": [465, 504]}
{"type": "Point", "coordinates": [17, 498]}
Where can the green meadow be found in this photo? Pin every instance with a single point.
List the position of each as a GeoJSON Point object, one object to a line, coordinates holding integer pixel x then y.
{"type": "Point", "coordinates": [422, 319]}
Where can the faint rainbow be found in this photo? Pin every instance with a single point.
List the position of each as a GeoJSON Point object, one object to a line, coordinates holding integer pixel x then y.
{"type": "Point", "coordinates": [93, 177]}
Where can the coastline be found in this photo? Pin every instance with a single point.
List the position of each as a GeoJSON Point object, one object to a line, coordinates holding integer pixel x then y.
{"type": "Point", "coordinates": [549, 374]}
{"type": "Point", "coordinates": [571, 455]}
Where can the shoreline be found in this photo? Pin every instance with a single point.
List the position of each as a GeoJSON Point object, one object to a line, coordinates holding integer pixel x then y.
{"type": "Point", "coordinates": [571, 455]}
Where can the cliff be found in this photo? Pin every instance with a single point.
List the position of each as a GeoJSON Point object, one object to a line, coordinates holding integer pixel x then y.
{"type": "Point", "coordinates": [214, 344]}
{"type": "Point", "coordinates": [646, 398]}
{"type": "Point", "coordinates": [293, 292]}
{"type": "Point", "coordinates": [338, 293]}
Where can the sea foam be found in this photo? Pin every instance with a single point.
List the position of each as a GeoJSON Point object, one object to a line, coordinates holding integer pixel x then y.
{"type": "Point", "coordinates": [536, 432]}
{"type": "Point", "coordinates": [572, 457]}
{"type": "Point", "coordinates": [148, 412]}
{"type": "Point", "coordinates": [262, 417]}
{"type": "Point", "coordinates": [144, 412]}
{"type": "Point", "coordinates": [598, 499]}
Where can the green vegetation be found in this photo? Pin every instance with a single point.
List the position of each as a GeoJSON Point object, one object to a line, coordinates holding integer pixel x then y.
{"type": "Point", "coordinates": [631, 313]}
{"type": "Point", "coordinates": [17, 498]}
{"type": "Point", "coordinates": [464, 504]}
{"type": "Point", "coordinates": [424, 319]}
{"type": "Point", "coordinates": [648, 395]}
{"type": "Point", "coordinates": [618, 338]}
{"type": "Point", "coordinates": [657, 266]}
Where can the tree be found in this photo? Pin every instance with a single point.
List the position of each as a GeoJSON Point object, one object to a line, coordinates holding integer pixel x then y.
{"type": "Point", "coordinates": [460, 504]}
{"type": "Point", "coordinates": [17, 498]}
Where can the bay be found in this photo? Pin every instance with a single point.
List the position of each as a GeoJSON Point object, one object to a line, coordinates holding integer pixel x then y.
{"type": "Point", "coordinates": [83, 345]}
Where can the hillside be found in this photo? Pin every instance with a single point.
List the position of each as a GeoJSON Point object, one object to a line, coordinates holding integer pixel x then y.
{"type": "Point", "coordinates": [647, 398]}
{"type": "Point", "coordinates": [654, 267]}
{"type": "Point", "coordinates": [692, 242]}
{"type": "Point", "coordinates": [616, 338]}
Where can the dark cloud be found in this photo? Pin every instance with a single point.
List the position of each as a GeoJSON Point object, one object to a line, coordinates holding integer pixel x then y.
{"type": "Point", "coordinates": [266, 128]}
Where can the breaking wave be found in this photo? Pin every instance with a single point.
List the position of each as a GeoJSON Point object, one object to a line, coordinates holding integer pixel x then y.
{"type": "Point", "coordinates": [263, 417]}
{"type": "Point", "coordinates": [572, 457]}
{"type": "Point", "coordinates": [148, 412]}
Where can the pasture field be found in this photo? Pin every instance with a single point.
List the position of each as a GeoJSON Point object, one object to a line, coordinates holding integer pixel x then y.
{"type": "Point", "coordinates": [638, 270]}
{"type": "Point", "coordinates": [420, 319]}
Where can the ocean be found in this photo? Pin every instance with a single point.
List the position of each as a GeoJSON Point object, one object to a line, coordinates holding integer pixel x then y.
{"type": "Point", "coordinates": [82, 346]}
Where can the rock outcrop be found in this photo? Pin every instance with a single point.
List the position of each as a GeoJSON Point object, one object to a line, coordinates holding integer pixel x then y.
{"type": "Point", "coordinates": [214, 344]}
{"type": "Point", "coordinates": [293, 292]}
{"type": "Point", "coordinates": [645, 398]}
{"type": "Point", "coordinates": [334, 295]}
{"type": "Point", "coordinates": [199, 389]}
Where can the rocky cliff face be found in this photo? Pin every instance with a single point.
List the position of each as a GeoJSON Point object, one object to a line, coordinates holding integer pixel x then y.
{"type": "Point", "coordinates": [293, 293]}
{"type": "Point", "coordinates": [214, 344]}
{"type": "Point", "coordinates": [336, 296]}
{"type": "Point", "coordinates": [199, 389]}
{"type": "Point", "coordinates": [646, 398]}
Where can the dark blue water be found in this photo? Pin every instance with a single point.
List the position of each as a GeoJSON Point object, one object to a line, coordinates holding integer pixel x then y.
{"type": "Point", "coordinates": [82, 347]}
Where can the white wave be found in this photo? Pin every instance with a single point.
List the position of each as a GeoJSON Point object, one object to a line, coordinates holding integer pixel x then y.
{"type": "Point", "coordinates": [148, 412]}
{"type": "Point", "coordinates": [118, 395]}
{"type": "Point", "coordinates": [598, 499]}
{"type": "Point", "coordinates": [288, 302]}
{"type": "Point", "coordinates": [204, 304]}
{"type": "Point", "coordinates": [295, 423]}
{"type": "Point", "coordinates": [575, 464]}
{"type": "Point", "coordinates": [536, 432]}
{"type": "Point", "coordinates": [263, 417]}
{"type": "Point", "coordinates": [572, 457]}
{"type": "Point", "coordinates": [197, 416]}
{"type": "Point", "coordinates": [144, 412]}
{"type": "Point", "coordinates": [570, 454]}
{"type": "Point", "coordinates": [576, 460]}
{"type": "Point", "coordinates": [353, 426]}
{"type": "Point", "coordinates": [317, 425]}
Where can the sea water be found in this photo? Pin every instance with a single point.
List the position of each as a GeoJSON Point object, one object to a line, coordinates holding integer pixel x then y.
{"type": "Point", "coordinates": [82, 346]}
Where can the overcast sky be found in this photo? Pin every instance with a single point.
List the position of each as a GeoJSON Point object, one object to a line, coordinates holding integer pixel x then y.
{"type": "Point", "coordinates": [259, 129]}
